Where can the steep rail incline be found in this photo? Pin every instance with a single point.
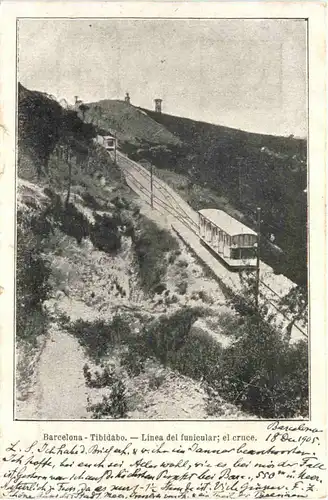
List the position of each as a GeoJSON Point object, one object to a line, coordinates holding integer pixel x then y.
{"type": "Point", "coordinates": [184, 221]}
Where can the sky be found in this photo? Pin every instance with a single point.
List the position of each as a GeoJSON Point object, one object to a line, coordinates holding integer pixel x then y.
{"type": "Point", "coordinates": [247, 74]}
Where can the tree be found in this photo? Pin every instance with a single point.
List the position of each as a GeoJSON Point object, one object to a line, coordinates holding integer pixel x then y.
{"type": "Point", "coordinates": [69, 180]}
{"type": "Point", "coordinates": [261, 370]}
{"type": "Point", "coordinates": [295, 304]}
{"type": "Point", "coordinates": [118, 400]}
{"type": "Point", "coordinates": [83, 108]}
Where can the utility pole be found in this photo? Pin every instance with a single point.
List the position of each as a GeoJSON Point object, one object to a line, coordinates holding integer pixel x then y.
{"type": "Point", "coordinates": [115, 146]}
{"type": "Point", "coordinates": [151, 187]}
{"type": "Point", "coordinates": [257, 278]}
{"type": "Point", "coordinates": [239, 180]}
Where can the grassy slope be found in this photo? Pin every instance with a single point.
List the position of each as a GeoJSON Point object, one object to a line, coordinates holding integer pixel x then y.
{"type": "Point", "coordinates": [196, 132]}
{"type": "Point", "coordinates": [131, 124]}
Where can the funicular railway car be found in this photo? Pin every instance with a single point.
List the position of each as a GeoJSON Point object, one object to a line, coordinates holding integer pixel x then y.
{"type": "Point", "coordinates": [109, 142]}
{"type": "Point", "coordinates": [228, 238]}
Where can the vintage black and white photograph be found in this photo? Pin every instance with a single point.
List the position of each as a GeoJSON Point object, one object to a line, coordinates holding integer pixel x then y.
{"type": "Point", "coordinates": [161, 219]}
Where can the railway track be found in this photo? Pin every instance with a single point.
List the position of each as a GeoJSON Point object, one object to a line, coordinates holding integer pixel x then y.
{"type": "Point", "coordinates": [170, 204]}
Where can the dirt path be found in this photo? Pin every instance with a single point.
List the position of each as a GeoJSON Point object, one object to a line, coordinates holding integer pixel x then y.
{"type": "Point", "coordinates": [61, 383]}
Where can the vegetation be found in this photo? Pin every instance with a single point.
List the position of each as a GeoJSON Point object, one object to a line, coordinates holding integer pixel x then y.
{"type": "Point", "coordinates": [295, 303]}
{"type": "Point", "coordinates": [43, 124]}
{"type": "Point", "coordinates": [32, 277]}
{"type": "Point", "coordinates": [152, 246]}
{"type": "Point", "coordinates": [115, 405]}
{"type": "Point", "coordinates": [98, 337]}
{"type": "Point", "coordinates": [105, 234]}
{"type": "Point", "coordinates": [250, 170]}
{"type": "Point", "coordinates": [99, 380]}
{"type": "Point", "coordinates": [260, 371]}
{"type": "Point", "coordinates": [66, 217]}
{"type": "Point", "coordinates": [56, 146]}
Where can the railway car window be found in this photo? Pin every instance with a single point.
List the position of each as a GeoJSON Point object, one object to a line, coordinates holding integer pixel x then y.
{"type": "Point", "coordinates": [209, 231]}
{"type": "Point", "coordinates": [248, 253]}
{"type": "Point", "coordinates": [235, 253]}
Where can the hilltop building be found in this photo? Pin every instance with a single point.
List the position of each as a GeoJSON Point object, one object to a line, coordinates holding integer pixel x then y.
{"type": "Point", "coordinates": [77, 103]}
{"type": "Point", "coordinates": [158, 105]}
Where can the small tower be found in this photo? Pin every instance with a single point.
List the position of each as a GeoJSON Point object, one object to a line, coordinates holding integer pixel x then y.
{"type": "Point", "coordinates": [127, 98]}
{"type": "Point", "coordinates": [158, 105]}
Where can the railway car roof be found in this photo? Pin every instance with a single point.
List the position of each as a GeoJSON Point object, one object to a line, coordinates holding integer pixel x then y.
{"type": "Point", "coordinates": [225, 222]}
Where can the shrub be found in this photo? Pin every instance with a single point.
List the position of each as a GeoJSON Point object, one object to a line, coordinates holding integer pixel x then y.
{"type": "Point", "coordinates": [151, 245]}
{"type": "Point", "coordinates": [136, 212]}
{"type": "Point", "coordinates": [30, 325]}
{"type": "Point", "coordinates": [205, 297]}
{"type": "Point", "coordinates": [173, 256]}
{"type": "Point", "coordinates": [98, 336]}
{"type": "Point", "coordinates": [66, 217]}
{"type": "Point", "coordinates": [118, 400]}
{"type": "Point", "coordinates": [171, 300]}
{"type": "Point", "coordinates": [133, 361]}
{"type": "Point", "coordinates": [159, 289]}
{"type": "Point", "coordinates": [115, 405]}
{"type": "Point", "coordinates": [264, 374]}
{"type": "Point", "coordinates": [32, 280]}
{"type": "Point", "coordinates": [182, 287]}
{"type": "Point", "coordinates": [182, 263]}
{"type": "Point", "coordinates": [199, 357]}
{"type": "Point", "coordinates": [91, 201]}
{"type": "Point", "coordinates": [74, 223]}
{"type": "Point", "coordinates": [167, 335]}
{"type": "Point", "coordinates": [105, 234]}
{"type": "Point", "coordinates": [156, 380]}
{"type": "Point", "coordinates": [260, 372]}
{"type": "Point", "coordinates": [99, 380]}
{"type": "Point", "coordinates": [120, 202]}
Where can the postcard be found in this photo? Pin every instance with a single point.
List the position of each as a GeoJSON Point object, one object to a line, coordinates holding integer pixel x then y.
{"type": "Point", "coordinates": [163, 247]}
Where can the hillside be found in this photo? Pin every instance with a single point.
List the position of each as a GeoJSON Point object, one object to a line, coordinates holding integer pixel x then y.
{"type": "Point", "coordinates": [195, 132]}
{"type": "Point", "coordinates": [131, 124]}
{"type": "Point", "coordinates": [45, 128]}
{"type": "Point", "coordinates": [115, 318]}
{"type": "Point", "coordinates": [224, 168]}
{"type": "Point", "coordinates": [97, 273]}
{"type": "Point", "coordinates": [248, 170]}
